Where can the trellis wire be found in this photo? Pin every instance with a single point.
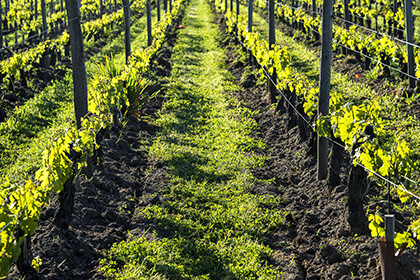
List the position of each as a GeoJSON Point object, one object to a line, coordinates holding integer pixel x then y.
{"type": "Point", "coordinates": [399, 186]}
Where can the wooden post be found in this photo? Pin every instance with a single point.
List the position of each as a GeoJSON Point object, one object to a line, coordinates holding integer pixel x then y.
{"type": "Point", "coordinates": [409, 23]}
{"type": "Point", "coordinates": [149, 23]}
{"type": "Point", "coordinates": [44, 20]}
{"type": "Point", "coordinates": [226, 6]}
{"type": "Point", "coordinates": [101, 7]}
{"type": "Point", "coordinates": [376, 18]}
{"type": "Point", "coordinates": [127, 36]}
{"type": "Point", "coordinates": [1, 26]}
{"type": "Point", "coordinates": [314, 8]}
{"type": "Point", "coordinates": [52, 4]}
{"type": "Point", "coordinates": [237, 10]}
{"type": "Point", "coordinates": [250, 22]}
{"type": "Point", "coordinates": [170, 6]}
{"type": "Point", "coordinates": [250, 14]}
{"type": "Point", "coordinates": [36, 9]}
{"type": "Point", "coordinates": [78, 61]}
{"type": "Point", "coordinates": [158, 9]}
{"type": "Point", "coordinates": [271, 27]}
{"type": "Point", "coordinates": [394, 10]}
{"type": "Point", "coordinates": [63, 22]}
{"type": "Point", "coordinates": [271, 42]}
{"type": "Point", "coordinates": [293, 7]}
{"type": "Point", "coordinates": [231, 5]}
{"type": "Point", "coordinates": [325, 84]}
{"type": "Point", "coordinates": [386, 250]}
{"type": "Point", "coordinates": [165, 5]}
{"type": "Point", "coordinates": [346, 14]}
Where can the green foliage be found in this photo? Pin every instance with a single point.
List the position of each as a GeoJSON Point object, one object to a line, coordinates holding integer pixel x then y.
{"type": "Point", "coordinates": [212, 221]}
{"type": "Point", "coordinates": [92, 31]}
{"type": "Point", "coordinates": [386, 154]}
{"type": "Point", "coordinates": [21, 203]}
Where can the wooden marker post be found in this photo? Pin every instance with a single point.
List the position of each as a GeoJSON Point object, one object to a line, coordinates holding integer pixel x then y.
{"type": "Point", "coordinates": [394, 22]}
{"type": "Point", "coordinates": [1, 26]}
{"type": "Point", "coordinates": [386, 250]}
{"type": "Point", "coordinates": [127, 31]}
{"type": "Point", "coordinates": [271, 42]}
{"type": "Point", "coordinates": [158, 9]}
{"type": "Point", "coordinates": [250, 22]}
{"type": "Point", "coordinates": [313, 8]}
{"type": "Point", "coordinates": [101, 7]}
{"type": "Point", "coordinates": [44, 20]}
{"type": "Point", "coordinates": [237, 10]}
{"type": "Point", "coordinates": [78, 61]}
{"type": "Point", "coordinates": [409, 23]}
{"type": "Point", "coordinates": [325, 84]}
{"type": "Point", "coordinates": [66, 196]}
{"type": "Point", "coordinates": [149, 23]}
{"type": "Point", "coordinates": [250, 14]}
{"type": "Point", "coordinates": [346, 14]}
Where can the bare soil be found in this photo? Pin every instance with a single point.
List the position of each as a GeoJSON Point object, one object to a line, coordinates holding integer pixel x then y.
{"type": "Point", "coordinates": [316, 242]}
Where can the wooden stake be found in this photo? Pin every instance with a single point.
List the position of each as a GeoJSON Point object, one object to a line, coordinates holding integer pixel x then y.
{"type": "Point", "coordinates": [250, 22]}
{"type": "Point", "coordinates": [149, 23]}
{"type": "Point", "coordinates": [78, 61]}
{"type": "Point", "coordinates": [101, 7]}
{"type": "Point", "coordinates": [386, 250]}
{"type": "Point", "coordinates": [237, 10]}
{"type": "Point", "coordinates": [44, 20]}
{"type": "Point", "coordinates": [314, 8]}
{"type": "Point", "coordinates": [127, 34]}
{"type": "Point", "coordinates": [271, 42]}
{"type": "Point", "coordinates": [250, 14]}
{"type": "Point", "coordinates": [1, 26]}
{"type": "Point", "coordinates": [158, 10]}
{"type": "Point", "coordinates": [325, 84]}
{"type": "Point", "coordinates": [346, 14]}
{"type": "Point", "coordinates": [394, 10]}
{"type": "Point", "coordinates": [409, 23]}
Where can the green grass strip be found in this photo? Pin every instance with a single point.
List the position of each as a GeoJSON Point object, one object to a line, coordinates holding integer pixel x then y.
{"type": "Point", "coordinates": [214, 222]}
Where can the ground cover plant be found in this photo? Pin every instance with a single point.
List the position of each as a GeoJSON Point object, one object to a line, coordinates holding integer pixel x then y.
{"type": "Point", "coordinates": [68, 154]}
{"type": "Point", "coordinates": [212, 220]}
{"type": "Point", "coordinates": [204, 177]}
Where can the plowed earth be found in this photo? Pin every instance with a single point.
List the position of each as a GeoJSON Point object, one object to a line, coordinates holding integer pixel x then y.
{"type": "Point", "coordinates": [316, 242]}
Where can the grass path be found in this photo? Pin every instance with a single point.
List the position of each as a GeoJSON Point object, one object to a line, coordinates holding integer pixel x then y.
{"type": "Point", "coordinates": [213, 223]}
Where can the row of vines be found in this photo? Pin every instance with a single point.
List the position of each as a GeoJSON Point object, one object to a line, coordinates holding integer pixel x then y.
{"type": "Point", "coordinates": [117, 91]}
{"type": "Point", "coordinates": [356, 125]}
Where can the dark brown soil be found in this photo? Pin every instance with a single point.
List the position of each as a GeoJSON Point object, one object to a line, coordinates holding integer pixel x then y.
{"type": "Point", "coordinates": [317, 242]}
{"type": "Point", "coordinates": [104, 205]}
